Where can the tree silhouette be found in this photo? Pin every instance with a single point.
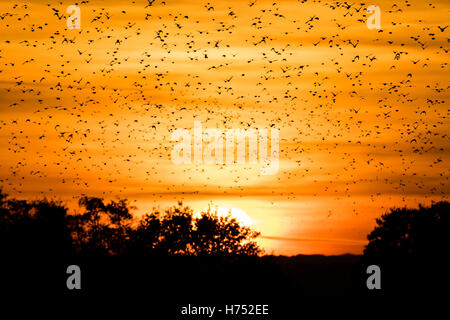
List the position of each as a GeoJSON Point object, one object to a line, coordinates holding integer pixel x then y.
{"type": "Point", "coordinates": [178, 232]}
{"type": "Point", "coordinates": [406, 232]}
{"type": "Point", "coordinates": [410, 246]}
{"type": "Point", "coordinates": [100, 229]}
{"type": "Point", "coordinates": [34, 228]}
{"type": "Point", "coordinates": [214, 235]}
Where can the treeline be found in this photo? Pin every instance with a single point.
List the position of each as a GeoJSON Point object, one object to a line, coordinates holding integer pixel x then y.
{"type": "Point", "coordinates": [178, 251]}
{"type": "Point", "coordinates": [99, 228]}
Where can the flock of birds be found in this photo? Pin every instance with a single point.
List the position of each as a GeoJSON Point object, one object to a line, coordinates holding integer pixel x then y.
{"type": "Point", "coordinates": [359, 111]}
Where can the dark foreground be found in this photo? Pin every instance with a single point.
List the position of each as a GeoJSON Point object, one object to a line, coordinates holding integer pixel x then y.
{"type": "Point", "coordinates": [163, 265]}
{"type": "Point", "coordinates": [162, 287]}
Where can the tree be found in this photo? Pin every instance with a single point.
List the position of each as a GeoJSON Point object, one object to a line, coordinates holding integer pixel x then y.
{"type": "Point", "coordinates": [102, 228]}
{"type": "Point", "coordinates": [410, 246]}
{"type": "Point", "coordinates": [411, 232]}
{"type": "Point", "coordinates": [178, 231]}
{"type": "Point", "coordinates": [34, 228]}
{"type": "Point", "coordinates": [218, 235]}
{"type": "Point", "coordinates": [39, 239]}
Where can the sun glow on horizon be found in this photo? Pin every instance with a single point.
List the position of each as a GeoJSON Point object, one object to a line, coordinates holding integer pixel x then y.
{"type": "Point", "coordinates": [222, 211]}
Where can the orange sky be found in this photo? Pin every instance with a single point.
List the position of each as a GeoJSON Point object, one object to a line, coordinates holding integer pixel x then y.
{"type": "Point", "coordinates": [362, 114]}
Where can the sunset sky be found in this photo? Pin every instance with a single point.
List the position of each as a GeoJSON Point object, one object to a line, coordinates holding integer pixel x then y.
{"type": "Point", "coordinates": [362, 113]}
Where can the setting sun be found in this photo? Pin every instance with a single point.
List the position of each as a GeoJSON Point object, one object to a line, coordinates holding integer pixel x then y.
{"type": "Point", "coordinates": [240, 215]}
{"type": "Point", "coordinates": [237, 213]}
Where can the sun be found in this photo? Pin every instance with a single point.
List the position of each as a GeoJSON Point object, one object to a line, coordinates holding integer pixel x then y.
{"type": "Point", "coordinates": [237, 213]}
{"type": "Point", "coordinates": [240, 215]}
